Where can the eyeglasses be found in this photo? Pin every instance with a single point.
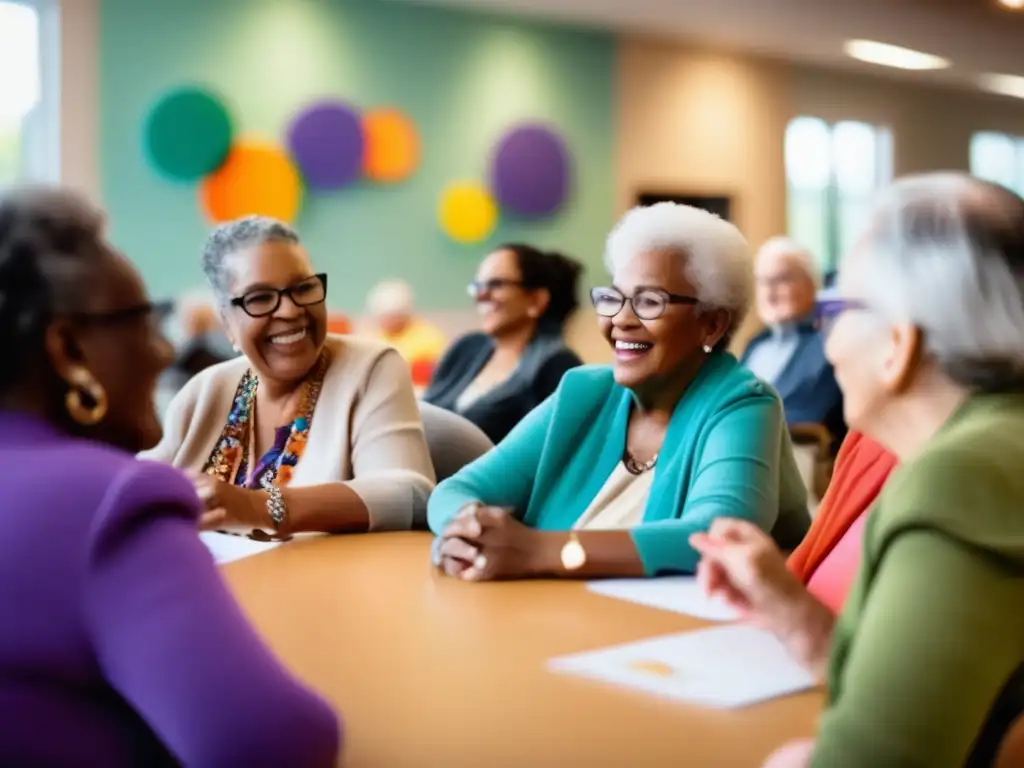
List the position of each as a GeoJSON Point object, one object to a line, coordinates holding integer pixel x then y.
{"type": "Point", "coordinates": [827, 311]}
{"type": "Point", "coordinates": [476, 287]}
{"type": "Point", "coordinates": [156, 312]}
{"type": "Point", "coordinates": [647, 303]}
{"type": "Point", "coordinates": [261, 302]}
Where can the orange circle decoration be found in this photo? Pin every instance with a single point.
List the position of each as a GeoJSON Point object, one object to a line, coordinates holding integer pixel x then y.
{"type": "Point", "coordinates": [257, 178]}
{"type": "Point", "coordinates": [467, 213]}
{"type": "Point", "coordinates": [392, 145]}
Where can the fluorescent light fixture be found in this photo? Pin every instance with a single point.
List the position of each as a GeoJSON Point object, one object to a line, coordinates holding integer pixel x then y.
{"type": "Point", "coordinates": [1005, 85]}
{"type": "Point", "coordinates": [893, 56]}
{"type": "Point", "coordinates": [1015, 5]}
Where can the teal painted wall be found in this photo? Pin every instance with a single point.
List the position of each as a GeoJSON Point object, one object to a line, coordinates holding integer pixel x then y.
{"type": "Point", "coordinates": [463, 77]}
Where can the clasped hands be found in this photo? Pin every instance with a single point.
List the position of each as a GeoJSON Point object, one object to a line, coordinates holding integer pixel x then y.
{"type": "Point", "coordinates": [484, 543]}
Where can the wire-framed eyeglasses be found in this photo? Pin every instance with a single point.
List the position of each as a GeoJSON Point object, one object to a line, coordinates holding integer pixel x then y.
{"type": "Point", "coordinates": [647, 303]}
{"type": "Point", "coordinates": [261, 302]}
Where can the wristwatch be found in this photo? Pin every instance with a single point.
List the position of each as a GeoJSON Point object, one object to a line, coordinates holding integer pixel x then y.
{"type": "Point", "coordinates": [574, 556]}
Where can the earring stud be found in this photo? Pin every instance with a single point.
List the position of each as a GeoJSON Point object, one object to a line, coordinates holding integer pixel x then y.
{"type": "Point", "coordinates": [707, 349]}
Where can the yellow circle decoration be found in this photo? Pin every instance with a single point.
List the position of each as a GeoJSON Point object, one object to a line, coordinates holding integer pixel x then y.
{"type": "Point", "coordinates": [257, 178]}
{"type": "Point", "coordinates": [392, 145]}
{"type": "Point", "coordinates": [468, 213]}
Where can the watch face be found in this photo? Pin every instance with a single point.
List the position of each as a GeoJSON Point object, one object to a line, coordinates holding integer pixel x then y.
{"type": "Point", "coordinates": [573, 555]}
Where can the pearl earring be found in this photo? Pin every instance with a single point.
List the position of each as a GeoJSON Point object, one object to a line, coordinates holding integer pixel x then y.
{"type": "Point", "coordinates": [707, 349]}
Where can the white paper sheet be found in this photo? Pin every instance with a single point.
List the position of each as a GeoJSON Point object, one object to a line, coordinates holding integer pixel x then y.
{"type": "Point", "coordinates": [681, 594]}
{"type": "Point", "coordinates": [226, 548]}
{"type": "Point", "coordinates": [721, 667]}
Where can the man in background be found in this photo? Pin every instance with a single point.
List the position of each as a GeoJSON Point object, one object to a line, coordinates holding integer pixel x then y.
{"type": "Point", "coordinates": [391, 307]}
{"type": "Point", "coordinates": [790, 354]}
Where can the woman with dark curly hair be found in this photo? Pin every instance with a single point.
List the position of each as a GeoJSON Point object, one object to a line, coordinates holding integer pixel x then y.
{"type": "Point", "coordinates": [498, 375]}
{"type": "Point", "coordinates": [120, 643]}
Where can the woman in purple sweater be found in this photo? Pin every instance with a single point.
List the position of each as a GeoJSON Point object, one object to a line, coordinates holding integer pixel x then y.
{"type": "Point", "coordinates": [120, 644]}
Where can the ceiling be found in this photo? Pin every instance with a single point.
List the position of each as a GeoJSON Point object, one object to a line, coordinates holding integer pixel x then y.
{"type": "Point", "coordinates": [978, 36]}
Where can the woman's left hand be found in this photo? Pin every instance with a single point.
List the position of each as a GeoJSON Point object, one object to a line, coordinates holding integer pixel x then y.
{"type": "Point", "coordinates": [228, 506]}
{"type": "Point", "coordinates": [505, 548]}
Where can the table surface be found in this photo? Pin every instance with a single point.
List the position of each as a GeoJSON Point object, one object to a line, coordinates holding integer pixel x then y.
{"type": "Point", "coordinates": [430, 671]}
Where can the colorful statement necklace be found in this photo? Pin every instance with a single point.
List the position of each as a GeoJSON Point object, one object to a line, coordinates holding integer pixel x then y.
{"type": "Point", "coordinates": [232, 450]}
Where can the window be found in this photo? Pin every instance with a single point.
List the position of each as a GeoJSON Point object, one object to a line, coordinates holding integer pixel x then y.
{"type": "Point", "coordinates": [28, 93]}
{"type": "Point", "coordinates": [832, 173]}
{"type": "Point", "coordinates": [998, 158]}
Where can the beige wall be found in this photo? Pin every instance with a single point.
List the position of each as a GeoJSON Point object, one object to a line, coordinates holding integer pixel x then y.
{"type": "Point", "coordinates": [704, 122]}
{"type": "Point", "coordinates": [701, 122]}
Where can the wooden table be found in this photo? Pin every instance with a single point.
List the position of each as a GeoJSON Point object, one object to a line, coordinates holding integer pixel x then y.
{"type": "Point", "coordinates": [436, 673]}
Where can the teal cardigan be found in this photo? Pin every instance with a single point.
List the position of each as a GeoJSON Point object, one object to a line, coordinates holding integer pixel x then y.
{"type": "Point", "coordinates": [726, 454]}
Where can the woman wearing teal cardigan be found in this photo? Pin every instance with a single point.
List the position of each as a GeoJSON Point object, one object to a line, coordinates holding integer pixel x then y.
{"type": "Point", "coordinates": [613, 473]}
{"type": "Point", "coordinates": [924, 666]}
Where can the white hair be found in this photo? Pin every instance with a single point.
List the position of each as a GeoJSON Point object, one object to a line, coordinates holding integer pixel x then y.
{"type": "Point", "coordinates": [390, 297]}
{"type": "Point", "coordinates": [713, 253]}
{"type": "Point", "coordinates": [945, 252]}
{"type": "Point", "coordinates": [782, 247]}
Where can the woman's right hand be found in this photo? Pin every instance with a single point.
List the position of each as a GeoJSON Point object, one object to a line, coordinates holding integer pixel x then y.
{"type": "Point", "coordinates": [741, 564]}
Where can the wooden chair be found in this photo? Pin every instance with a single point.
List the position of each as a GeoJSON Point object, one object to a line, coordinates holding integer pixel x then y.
{"type": "Point", "coordinates": [817, 441]}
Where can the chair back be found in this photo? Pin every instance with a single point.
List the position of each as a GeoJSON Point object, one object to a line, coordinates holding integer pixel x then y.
{"type": "Point", "coordinates": [454, 441]}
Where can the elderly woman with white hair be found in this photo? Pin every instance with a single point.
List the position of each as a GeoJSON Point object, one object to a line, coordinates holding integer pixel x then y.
{"type": "Point", "coordinates": [927, 339]}
{"type": "Point", "coordinates": [613, 473]}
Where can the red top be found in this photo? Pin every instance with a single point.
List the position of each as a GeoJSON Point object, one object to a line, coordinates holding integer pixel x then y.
{"type": "Point", "coordinates": [861, 470]}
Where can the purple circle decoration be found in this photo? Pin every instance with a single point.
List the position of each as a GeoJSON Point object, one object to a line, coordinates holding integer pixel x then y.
{"type": "Point", "coordinates": [530, 171]}
{"type": "Point", "coordinates": [326, 141]}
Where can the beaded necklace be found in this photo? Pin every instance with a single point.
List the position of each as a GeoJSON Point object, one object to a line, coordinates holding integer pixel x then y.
{"type": "Point", "coordinates": [232, 450]}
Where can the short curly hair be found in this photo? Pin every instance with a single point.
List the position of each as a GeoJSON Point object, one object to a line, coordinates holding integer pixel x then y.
{"type": "Point", "coordinates": [234, 236]}
{"type": "Point", "coordinates": [712, 253]}
{"type": "Point", "coordinates": [48, 237]}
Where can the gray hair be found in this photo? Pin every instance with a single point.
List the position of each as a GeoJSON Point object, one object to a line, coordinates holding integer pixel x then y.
{"type": "Point", "coordinates": [713, 253]}
{"type": "Point", "coordinates": [234, 236]}
{"type": "Point", "coordinates": [786, 247]}
{"type": "Point", "coordinates": [945, 252]}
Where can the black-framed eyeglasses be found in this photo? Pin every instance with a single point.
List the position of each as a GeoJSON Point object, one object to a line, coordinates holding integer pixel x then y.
{"type": "Point", "coordinates": [827, 311]}
{"type": "Point", "coordinates": [156, 312]}
{"type": "Point", "coordinates": [260, 302]}
{"type": "Point", "coordinates": [648, 303]}
{"type": "Point", "coordinates": [476, 287]}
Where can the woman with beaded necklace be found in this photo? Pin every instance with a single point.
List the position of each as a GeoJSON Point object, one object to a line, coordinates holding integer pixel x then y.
{"type": "Point", "coordinates": [304, 431]}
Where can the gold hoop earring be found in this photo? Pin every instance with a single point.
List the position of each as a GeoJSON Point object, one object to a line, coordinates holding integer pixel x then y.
{"type": "Point", "coordinates": [83, 383]}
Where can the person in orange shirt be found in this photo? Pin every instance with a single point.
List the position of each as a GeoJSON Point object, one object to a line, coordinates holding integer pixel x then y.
{"type": "Point", "coordinates": [390, 303]}
{"type": "Point", "coordinates": [826, 560]}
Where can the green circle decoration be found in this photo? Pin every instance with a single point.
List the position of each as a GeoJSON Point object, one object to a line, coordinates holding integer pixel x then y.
{"type": "Point", "coordinates": [187, 134]}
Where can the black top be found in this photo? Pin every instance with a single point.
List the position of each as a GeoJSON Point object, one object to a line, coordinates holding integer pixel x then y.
{"type": "Point", "coordinates": [497, 411]}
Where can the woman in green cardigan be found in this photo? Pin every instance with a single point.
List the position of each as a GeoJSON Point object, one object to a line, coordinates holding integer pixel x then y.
{"type": "Point", "coordinates": [927, 339]}
{"type": "Point", "coordinates": [611, 475]}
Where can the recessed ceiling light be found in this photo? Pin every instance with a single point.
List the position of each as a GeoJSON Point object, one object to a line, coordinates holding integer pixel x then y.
{"type": "Point", "coordinates": [1015, 5]}
{"type": "Point", "coordinates": [1005, 85]}
{"type": "Point", "coordinates": [892, 55]}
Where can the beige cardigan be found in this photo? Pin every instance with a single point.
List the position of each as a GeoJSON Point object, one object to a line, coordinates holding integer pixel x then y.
{"type": "Point", "coordinates": [366, 430]}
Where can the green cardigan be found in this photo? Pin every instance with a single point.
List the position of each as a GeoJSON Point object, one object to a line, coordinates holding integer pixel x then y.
{"type": "Point", "coordinates": [933, 627]}
{"type": "Point", "coordinates": [726, 454]}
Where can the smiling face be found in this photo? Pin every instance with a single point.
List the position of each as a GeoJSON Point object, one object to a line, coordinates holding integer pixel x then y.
{"type": "Point", "coordinates": [650, 352]}
{"type": "Point", "coordinates": [503, 303]}
{"type": "Point", "coordinates": [124, 348]}
{"type": "Point", "coordinates": [285, 344]}
{"type": "Point", "coordinates": [785, 292]}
